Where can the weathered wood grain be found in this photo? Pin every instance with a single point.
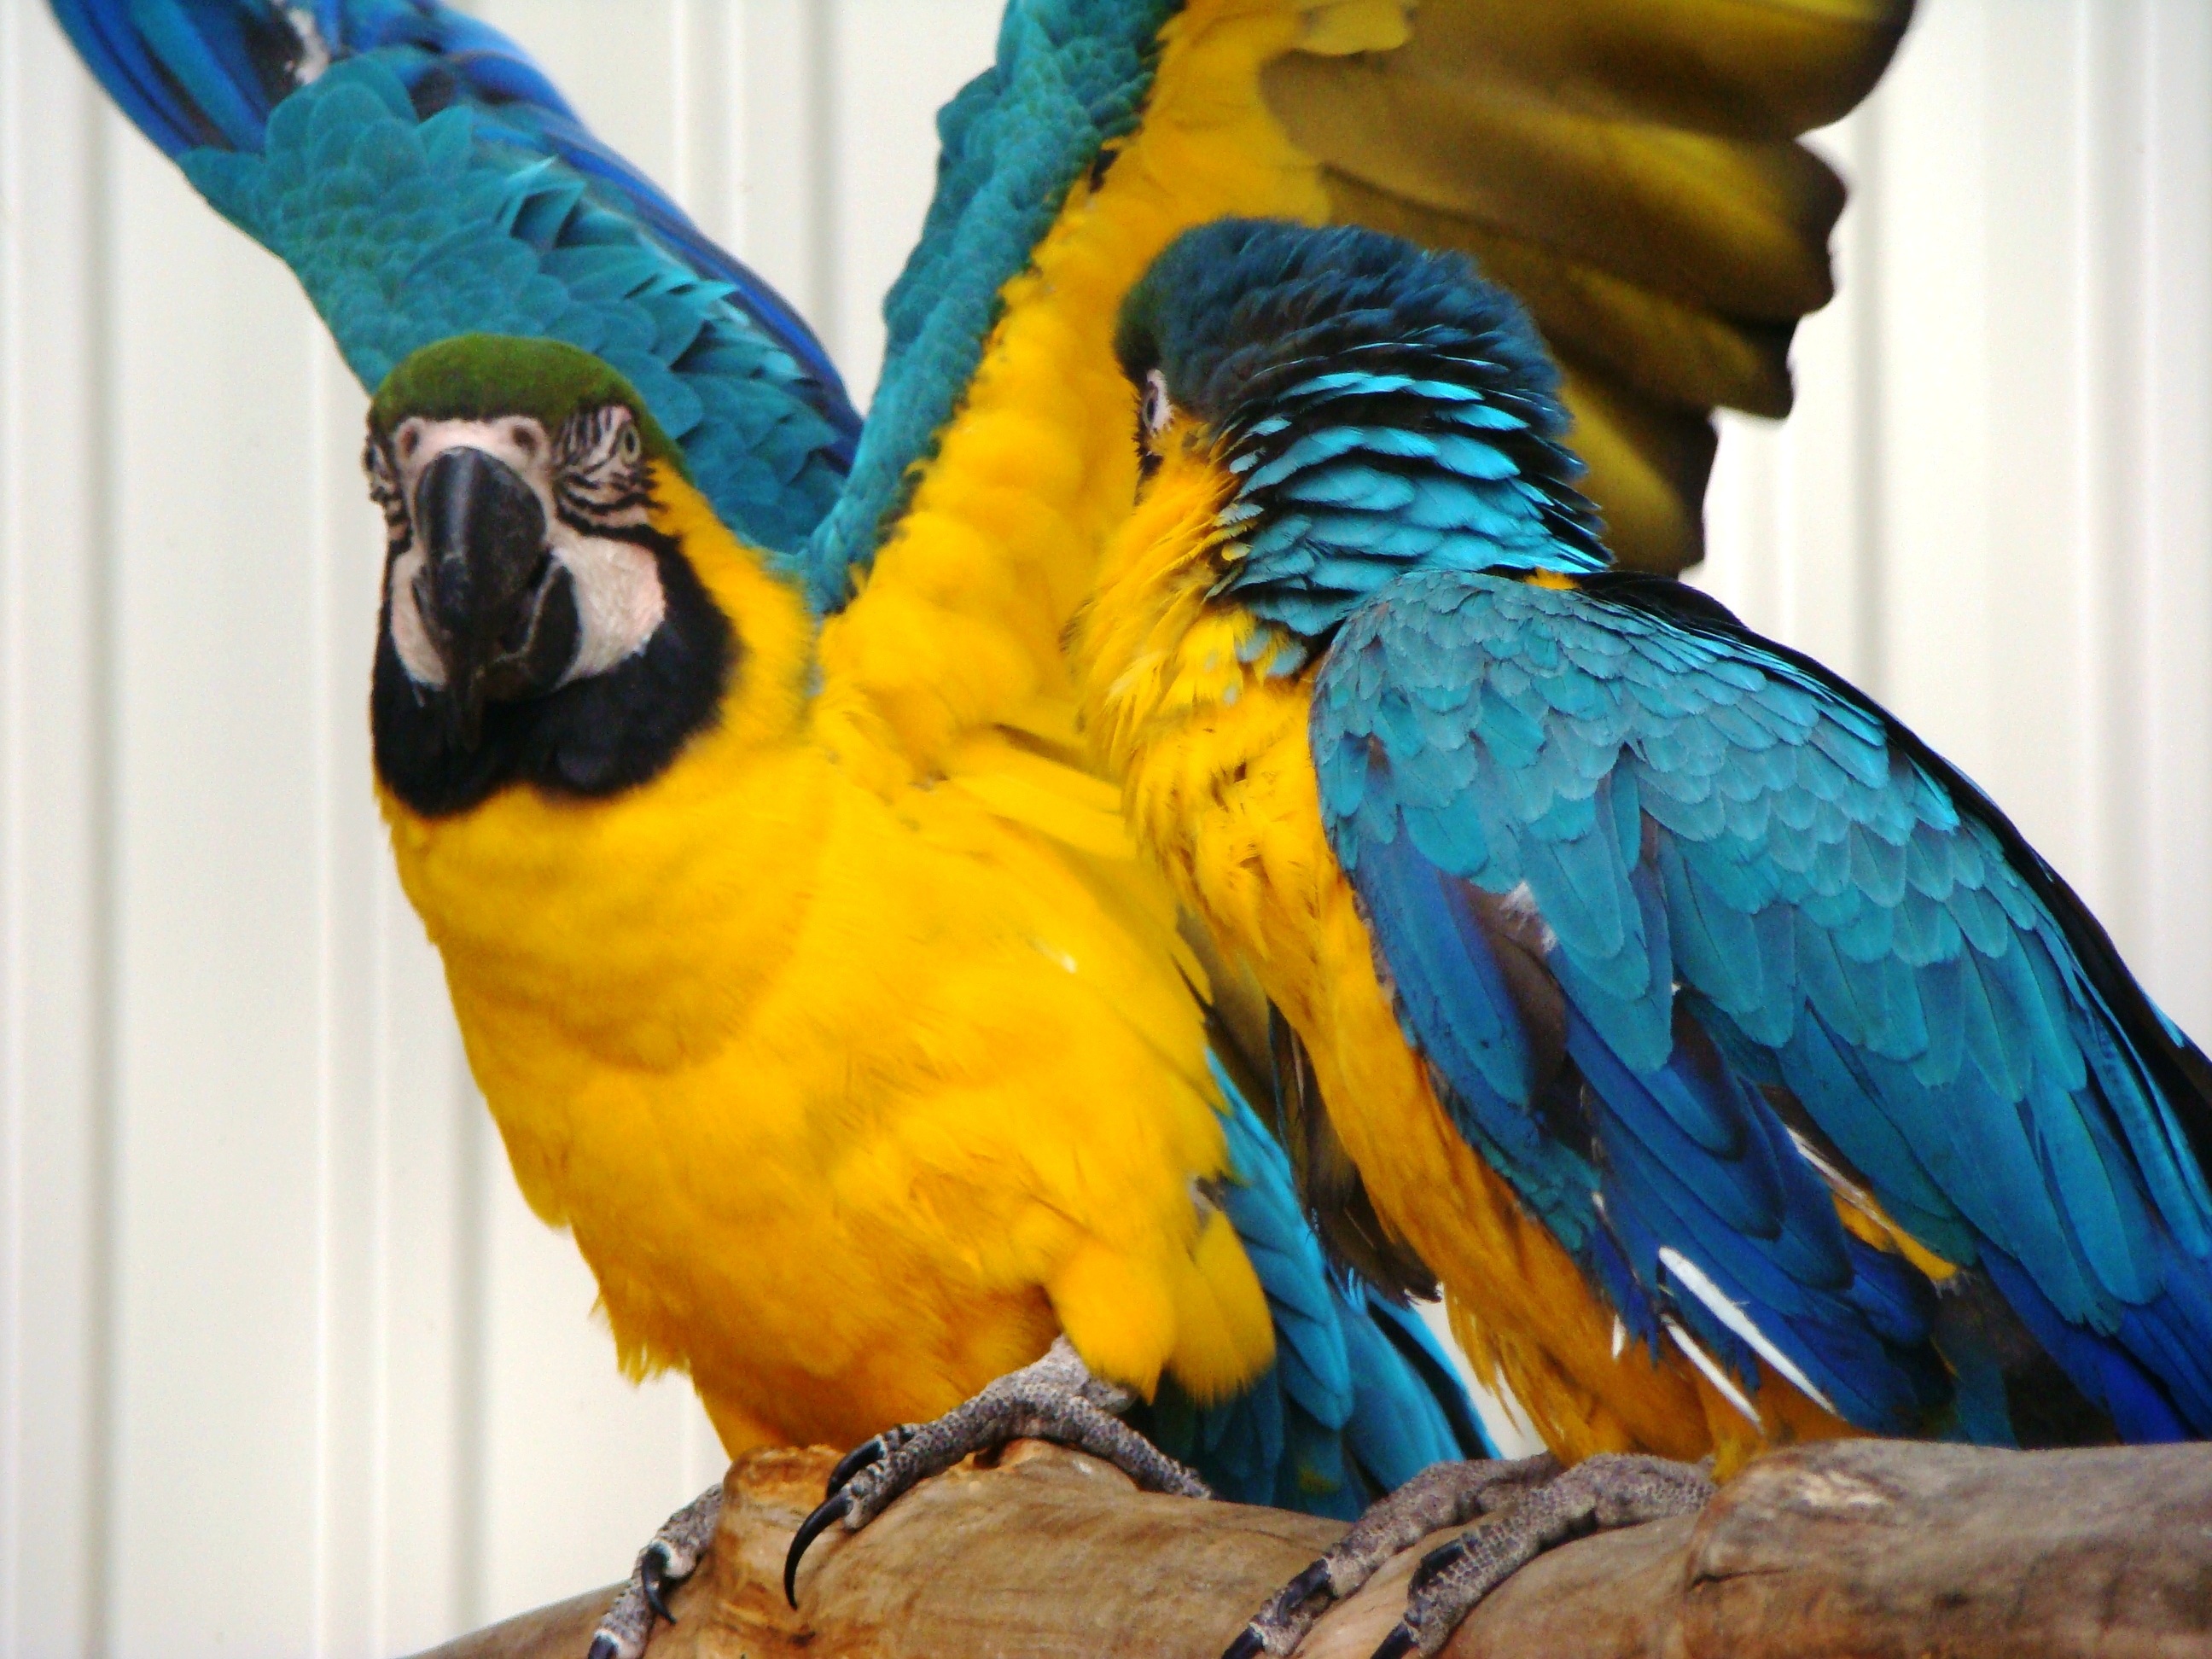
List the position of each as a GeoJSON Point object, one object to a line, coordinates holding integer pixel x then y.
{"type": "Point", "coordinates": [1863, 1548]}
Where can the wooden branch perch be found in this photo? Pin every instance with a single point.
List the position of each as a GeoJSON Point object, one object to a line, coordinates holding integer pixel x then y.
{"type": "Point", "coordinates": [1860, 1548]}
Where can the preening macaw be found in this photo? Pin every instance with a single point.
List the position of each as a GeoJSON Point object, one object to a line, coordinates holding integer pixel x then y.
{"type": "Point", "coordinates": [830, 1010]}
{"type": "Point", "coordinates": [1737, 1066]}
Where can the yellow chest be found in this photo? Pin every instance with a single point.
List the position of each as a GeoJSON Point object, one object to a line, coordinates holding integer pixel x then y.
{"type": "Point", "coordinates": [849, 1109]}
{"type": "Point", "coordinates": [854, 1086]}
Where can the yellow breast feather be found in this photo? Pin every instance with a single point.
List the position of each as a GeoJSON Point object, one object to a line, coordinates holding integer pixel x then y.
{"type": "Point", "coordinates": [816, 1067]}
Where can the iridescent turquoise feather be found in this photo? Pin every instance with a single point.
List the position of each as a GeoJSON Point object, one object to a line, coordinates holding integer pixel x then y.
{"type": "Point", "coordinates": [424, 180]}
{"type": "Point", "coordinates": [1070, 76]}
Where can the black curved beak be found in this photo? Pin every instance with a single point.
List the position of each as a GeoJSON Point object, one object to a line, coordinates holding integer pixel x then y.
{"type": "Point", "coordinates": [502, 613]}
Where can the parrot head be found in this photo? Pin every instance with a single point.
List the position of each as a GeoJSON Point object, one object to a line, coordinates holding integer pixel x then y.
{"type": "Point", "coordinates": [537, 626]}
{"type": "Point", "coordinates": [1320, 408]}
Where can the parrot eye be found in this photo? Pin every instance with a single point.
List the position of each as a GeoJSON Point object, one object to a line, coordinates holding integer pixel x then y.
{"type": "Point", "coordinates": [596, 459]}
{"type": "Point", "coordinates": [408, 439]}
{"type": "Point", "coordinates": [383, 481]}
{"type": "Point", "coordinates": [1159, 410]}
{"type": "Point", "coordinates": [523, 434]}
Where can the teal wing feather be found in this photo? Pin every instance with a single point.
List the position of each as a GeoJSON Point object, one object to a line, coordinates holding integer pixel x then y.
{"type": "Point", "coordinates": [1070, 76]}
{"type": "Point", "coordinates": [424, 180]}
{"type": "Point", "coordinates": [1747, 875]}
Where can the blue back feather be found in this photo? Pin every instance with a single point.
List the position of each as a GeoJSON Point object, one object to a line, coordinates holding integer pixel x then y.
{"type": "Point", "coordinates": [424, 179]}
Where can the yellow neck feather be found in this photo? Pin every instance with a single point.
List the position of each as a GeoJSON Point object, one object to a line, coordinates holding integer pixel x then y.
{"type": "Point", "coordinates": [534, 899]}
{"type": "Point", "coordinates": [1152, 651]}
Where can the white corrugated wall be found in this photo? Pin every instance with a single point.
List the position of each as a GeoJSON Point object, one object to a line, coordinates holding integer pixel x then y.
{"type": "Point", "coordinates": [285, 1366]}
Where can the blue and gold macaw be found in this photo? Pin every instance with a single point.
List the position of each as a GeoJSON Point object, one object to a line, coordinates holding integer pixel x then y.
{"type": "Point", "coordinates": [827, 1006]}
{"type": "Point", "coordinates": [1735, 1064]}
{"type": "Point", "coordinates": [732, 763]}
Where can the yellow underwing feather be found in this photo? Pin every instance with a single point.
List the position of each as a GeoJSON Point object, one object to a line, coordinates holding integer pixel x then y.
{"type": "Point", "coordinates": [1627, 167]}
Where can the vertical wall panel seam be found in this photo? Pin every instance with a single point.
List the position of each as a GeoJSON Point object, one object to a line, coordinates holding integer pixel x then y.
{"type": "Point", "coordinates": [2152, 373]}
{"type": "Point", "coordinates": [386, 1351]}
{"type": "Point", "coordinates": [2120, 802]}
{"type": "Point", "coordinates": [472, 1311]}
{"type": "Point", "coordinates": [2177, 712]}
{"type": "Point", "coordinates": [734, 130]}
{"type": "Point", "coordinates": [2082, 90]}
{"type": "Point", "coordinates": [14, 1013]}
{"type": "Point", "coordinates": [102, 374]}
{"type": "Point", "coordinates": [682, 98]}
{"type": "Point", "coordinates": [329, 1487]}
{"type": "Point", "coordinates": [383, 1353]}
{"type": "Point", "coordinates": [1868, 482]}
{"type": "Point", "coordinates": [824, 106]}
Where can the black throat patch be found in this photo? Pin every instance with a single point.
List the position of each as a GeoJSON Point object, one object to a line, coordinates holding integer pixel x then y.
{"type": "Point", "coordinates": [593, 737]}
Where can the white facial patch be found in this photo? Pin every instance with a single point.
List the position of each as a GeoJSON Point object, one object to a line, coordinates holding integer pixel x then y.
{"type": "Point", "coordinates": [619, 600]}
{"type": "Point", "coordinates": [620, 603]}
{"type": "Point", "coordinates": [410, 637]}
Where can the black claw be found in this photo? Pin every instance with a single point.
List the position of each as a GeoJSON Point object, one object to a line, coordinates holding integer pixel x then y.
{"type": "Point", "coordinates": [1435, 1562]}
{"type": "Point", "coordinates": [1302, 1589]}
{"type": "Point", "coordinates": [1397, 1643]}
{"type": "Point", "coordinates": [604, 1647]}
{"type": "Point", "coordinates": [1249, 1645]}
{"type": "Point", "coordinates": [867, 1452]}
{"type": "Point", "coordinates": [653, 1573]}
{"type": "Point", "coordinates": [826, 1514]}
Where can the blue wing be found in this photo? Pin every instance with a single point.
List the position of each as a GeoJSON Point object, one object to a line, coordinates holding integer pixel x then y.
{"type": "Point", "coordinates": [1739, 875]}
{"type": "Point", "coordinates": [1360, 1398]}
{"type": "Point", "coordinates": [424, 179]}
{"type": "Point", "coordinates": [1069, 76]}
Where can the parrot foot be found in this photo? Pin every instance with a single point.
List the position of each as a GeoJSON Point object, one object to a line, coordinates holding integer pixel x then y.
{"type": "Point", "coordinates": [671, 1556]}
{"type": "Point", "coordinates": [1532, 1507]}
{"type": "Point", "coordinates": [1442, 1495]}
{"type": "Point", "coordinates": [1056, 1398]}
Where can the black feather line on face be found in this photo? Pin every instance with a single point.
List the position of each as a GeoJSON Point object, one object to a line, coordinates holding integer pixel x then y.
{"type": "Point", "coordinates": [591, 738]}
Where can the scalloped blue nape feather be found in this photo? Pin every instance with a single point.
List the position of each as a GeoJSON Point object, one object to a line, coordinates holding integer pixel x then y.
{"type": "Point", "coordinates": [1383, 409]}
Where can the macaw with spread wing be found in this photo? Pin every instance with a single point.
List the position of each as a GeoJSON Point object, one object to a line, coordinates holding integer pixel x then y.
{"type": "Point", "coordinates": [733, 764]}
{"type": "Point", "coordinates": [857, 1053]}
